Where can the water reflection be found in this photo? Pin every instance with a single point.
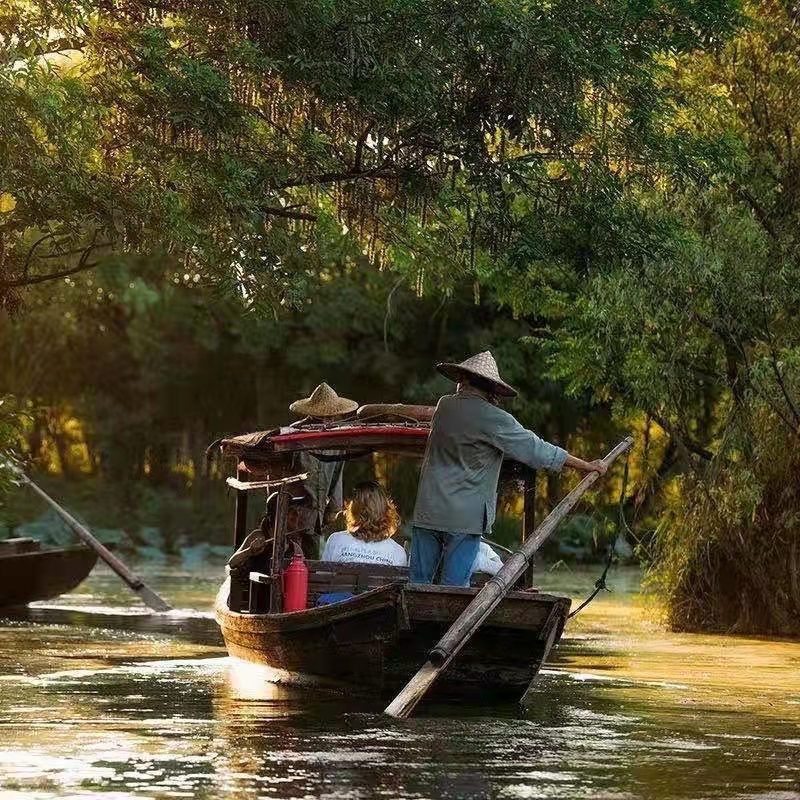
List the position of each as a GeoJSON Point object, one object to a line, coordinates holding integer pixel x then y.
{"type": "Point", "coordinates": [137, 705]}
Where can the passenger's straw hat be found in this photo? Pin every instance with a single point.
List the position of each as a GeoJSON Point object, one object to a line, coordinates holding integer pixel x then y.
{"type": "Point", "coordinates": [482, 366]}
{"type": "Point", "coordinates": [324, 402]}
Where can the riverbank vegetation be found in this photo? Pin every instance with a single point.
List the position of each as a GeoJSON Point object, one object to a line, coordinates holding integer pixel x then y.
{"type": "Point", "coordinates": [205, 210]}
{"type": "Point", "coordinates": [728, 556]}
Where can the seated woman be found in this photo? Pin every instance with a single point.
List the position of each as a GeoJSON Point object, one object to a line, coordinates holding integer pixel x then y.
{"type": "Point", "coordinates": [372, 520]}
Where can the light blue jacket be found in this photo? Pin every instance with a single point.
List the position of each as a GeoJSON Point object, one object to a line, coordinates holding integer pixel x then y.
{"type": "Point", "coordinates": [469, 439]}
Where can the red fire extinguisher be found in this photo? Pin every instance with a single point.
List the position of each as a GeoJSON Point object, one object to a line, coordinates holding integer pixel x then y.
{"type": "Point", "coordinates": [295, 583]}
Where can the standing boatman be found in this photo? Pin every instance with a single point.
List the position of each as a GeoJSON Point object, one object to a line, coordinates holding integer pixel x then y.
{"type": "Point", "coordinates": [470, 435]}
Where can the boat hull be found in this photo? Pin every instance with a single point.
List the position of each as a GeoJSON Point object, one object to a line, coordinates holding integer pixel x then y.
{"type": "Point", "coordinates": [43, 574]}
{"type": "Point", "coordinates": [376, 641]}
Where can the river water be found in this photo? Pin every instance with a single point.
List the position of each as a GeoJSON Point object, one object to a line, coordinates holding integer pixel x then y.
{"type": "Point", "coordinates": [99, 699]}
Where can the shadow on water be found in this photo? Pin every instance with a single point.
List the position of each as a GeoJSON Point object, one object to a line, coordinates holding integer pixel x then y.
{"type": "Point", "coordinates": [196, 627]}
{"type": "Point", "coordinates": [97, 701]}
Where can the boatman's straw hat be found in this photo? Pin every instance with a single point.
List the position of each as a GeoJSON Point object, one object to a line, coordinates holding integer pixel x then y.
{"type": "Point", "coordinates": [482, 366]}
{"type": "Point", "coordinates": [324, 402]}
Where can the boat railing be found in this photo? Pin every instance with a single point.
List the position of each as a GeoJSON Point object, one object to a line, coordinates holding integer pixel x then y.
{"type": "Point", "coordinates": [326, 577]}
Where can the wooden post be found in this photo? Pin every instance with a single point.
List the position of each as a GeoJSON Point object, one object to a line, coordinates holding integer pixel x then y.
{"type": "Point", "coordinates": [240, 582]}
{"type": "Point", "coordinates": [240, 515]}
{"type": "Point", "coordinates": [278, 546]}
{"type": "Point", "coordinates": [490, 596]}
{"type": "Point", "coordinates": [529, 504]}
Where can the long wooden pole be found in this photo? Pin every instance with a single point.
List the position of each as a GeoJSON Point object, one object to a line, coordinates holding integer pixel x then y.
{"type": "Point", "coordinates": [240, 518]}
{"type": "Point", "coordinates": [489, 597]}
{"type": "Point", "coordinates": [134, 582]}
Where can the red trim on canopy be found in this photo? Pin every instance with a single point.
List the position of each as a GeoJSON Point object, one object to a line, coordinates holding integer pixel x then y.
{"type": "Point", "coordinates": [350, 433]}
{"type": "Point", "coordinates": [398, 438]}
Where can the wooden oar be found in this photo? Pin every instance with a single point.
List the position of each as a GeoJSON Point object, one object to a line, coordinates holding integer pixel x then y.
{"type": "Point", "coordinates": [489, 597]}
{"type": "Point", "coordinates": [134, 582]}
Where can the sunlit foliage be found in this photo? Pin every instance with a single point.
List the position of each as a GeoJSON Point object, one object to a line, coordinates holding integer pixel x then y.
{"type": "Point", "coordinates": [451, 140]}
{"type": "Point", "coordinates": [620, 179]}
{"type": "Point", "coordinates": [704, 336]}
{"type": "Point", "coordinates": [11, 433]}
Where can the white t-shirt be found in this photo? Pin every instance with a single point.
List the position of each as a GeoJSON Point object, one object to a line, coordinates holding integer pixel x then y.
{"type": "Point", "coordinates": [344, 547]}
{"type": "Point", "coordinates": [487, 560]}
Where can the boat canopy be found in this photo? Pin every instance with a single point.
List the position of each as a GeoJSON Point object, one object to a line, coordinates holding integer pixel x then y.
{"type": "Point", "coordinates": [379, 428]}
{"type": "Point", "coordinates": [270, 451]}
{"type": "Point", "coordinates": [351, 437]}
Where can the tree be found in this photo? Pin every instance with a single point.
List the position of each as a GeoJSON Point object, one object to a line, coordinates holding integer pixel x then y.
{"type": "Point", "coordinates": [706, 326]}
{"type": "Point", "coordinates": [10, 435]}
{"type": "Point", "coordinates": [243, 139]}
{"type": "Point", "coordinates": [703, 334]}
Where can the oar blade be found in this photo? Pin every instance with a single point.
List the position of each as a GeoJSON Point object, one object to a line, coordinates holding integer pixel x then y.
{"type": "Point", "coordinates": [152, 600]}
{"type": "Point", "coordinates": [405, 702]}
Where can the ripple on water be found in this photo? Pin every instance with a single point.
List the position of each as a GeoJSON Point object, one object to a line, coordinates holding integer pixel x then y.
{"type": "Point", "coordinates": [100, 703]}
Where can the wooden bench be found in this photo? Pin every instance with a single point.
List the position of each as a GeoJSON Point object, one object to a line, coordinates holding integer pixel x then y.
{"type": "Point", "coordinates": [325, 577]}
{"type": "Point", "coordinates": [18, 545]}
{"type": "Point", "coordinates": [332, 576]}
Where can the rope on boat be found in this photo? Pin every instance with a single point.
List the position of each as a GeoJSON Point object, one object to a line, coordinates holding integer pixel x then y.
{"type": "Point", "coordinates": [600, 584]}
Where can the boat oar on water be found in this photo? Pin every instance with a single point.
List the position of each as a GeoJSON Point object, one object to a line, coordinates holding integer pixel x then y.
{"type": "Point", "coordinates": [135, 583]}
{"type": "Point", "coordinates": [489, 597]}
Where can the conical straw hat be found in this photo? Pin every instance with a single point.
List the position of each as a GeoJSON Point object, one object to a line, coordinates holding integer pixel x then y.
{"type": "Point", "coordinates": [324, 402]}
{"type": "Point", "coordinates": [483, 366]}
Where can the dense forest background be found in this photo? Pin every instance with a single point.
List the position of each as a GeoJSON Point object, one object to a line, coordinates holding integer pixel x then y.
{"type": "Point", "coordinates": [206, 209]}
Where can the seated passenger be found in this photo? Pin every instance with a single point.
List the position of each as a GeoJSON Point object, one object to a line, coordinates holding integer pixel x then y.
{"type": "Point", "coordinates": [372, 520]}
{"type": "Point", "coordinates": [322, 489]}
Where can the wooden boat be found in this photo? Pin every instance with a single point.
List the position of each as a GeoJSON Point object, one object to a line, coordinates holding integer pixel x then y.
{"type": "Point", "coordinates": [28, 573]}
{"type": "Point", "coordinates": [377, 639]}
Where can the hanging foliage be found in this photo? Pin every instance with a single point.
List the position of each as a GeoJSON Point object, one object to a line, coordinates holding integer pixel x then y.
{"type": "Point", "coordinates": [248, 139]}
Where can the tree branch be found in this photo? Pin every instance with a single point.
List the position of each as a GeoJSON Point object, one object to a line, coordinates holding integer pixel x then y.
{"type": "Point", "coordinates": [32, 250]}
{"type": "Point", "coordinates": [758, 210]}
{"type": "Point", "coordinates": [362, 140]}
{"type": "Point", "coordinates": [262, 116]}
{"type": "Point", "coordinates": [693, 447]}
{"type": "Point", "coordinates": [81, 267]}
{"type": "Point", "coordinates": [774, 355]}
{"type": "Point", "coordinates": [348, 175]}
{"type": "Point", "coordinates": [61, 45]}
{"type": "Point", "coordinates": [288, 213]}
{"type": "Point", "coordinates": [77, 250]}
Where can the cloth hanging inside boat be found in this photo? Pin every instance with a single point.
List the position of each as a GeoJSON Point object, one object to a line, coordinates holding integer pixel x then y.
{"type": "Point", "coordinates": [333, 597]}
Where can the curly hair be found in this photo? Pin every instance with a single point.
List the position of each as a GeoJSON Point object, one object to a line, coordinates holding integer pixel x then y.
{"type": "Point", "coordinates": [370, 513]}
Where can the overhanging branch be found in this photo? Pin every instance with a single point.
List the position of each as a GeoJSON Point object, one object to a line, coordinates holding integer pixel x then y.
{"type": "Point", "coordinates": [83, 265]}
{"type": "Point", "coordinates": [692, 447]}
{"type": "Point", "coordinates": [288, 213]}
{"type": "Point", "coordinates": [64, 273]}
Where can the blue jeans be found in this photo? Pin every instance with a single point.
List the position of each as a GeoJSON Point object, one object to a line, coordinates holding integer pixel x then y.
{"type": "Point", "coordinates": [457, 550]}
{"type": "Point", "coordinates": [333, 597]}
